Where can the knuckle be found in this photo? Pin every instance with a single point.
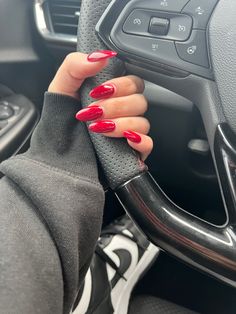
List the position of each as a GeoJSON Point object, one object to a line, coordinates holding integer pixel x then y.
{"type": "Point", "coordinates": [134, 84]}
{"type": "Point", "coordinates": [150, 145]}
{"type": "Point", "coordinates": [147, 148]}
{"type": "Point", "coordinates": [130, 86]}
{"type": "Point", "coordinates": [68, 64]}
{"type": "Point", "coordinates": [144, 102]}
{"type": "Point", "coordinates": [138, 83]}
{"type": "Point", "coordinates": [69, 57]}
{"type": "Point", "coordinates": [147, 125]}
{"type": "Point", "coordinates": [141, 85]}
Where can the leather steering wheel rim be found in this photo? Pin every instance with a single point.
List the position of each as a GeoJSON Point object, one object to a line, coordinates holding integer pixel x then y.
{"type": "Point", "coordinates": [208, 247]}
{"type": "Point", "coordinates": [118, 161]}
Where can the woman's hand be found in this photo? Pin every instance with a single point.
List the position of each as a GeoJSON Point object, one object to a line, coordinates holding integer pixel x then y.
{"type": "Point", "coordinates": [118, 104]}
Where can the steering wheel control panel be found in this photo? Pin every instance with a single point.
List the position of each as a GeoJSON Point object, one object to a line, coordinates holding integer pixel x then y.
{"type": "Point", "coordinates": [160, 25]}
{"type": "Point", "coordinates": [160, 32]}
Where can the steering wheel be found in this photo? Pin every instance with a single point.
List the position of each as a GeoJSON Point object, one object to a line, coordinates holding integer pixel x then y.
{"type": "Point", "coordinates": [187, 46]}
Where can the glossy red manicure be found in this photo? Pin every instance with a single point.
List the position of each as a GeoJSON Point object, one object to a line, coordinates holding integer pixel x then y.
{"type": "Point", "coordinates": [89, 114]}
{"type": "Point", "coordinates": [102, 91]}
{"type": "Point", "coordinates": [100, 55]}
{"type": "Point", "coordinates": [132, 136]}
{"type": "Point", "coordinates": [103, 126]}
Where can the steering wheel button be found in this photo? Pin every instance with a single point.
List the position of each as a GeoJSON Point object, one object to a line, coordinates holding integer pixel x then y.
{"type": "Point", "coordinates": [201, 11]}
{"type": "Point", "coordinates": [170, 5]}
{"type": "Point", "coordinates": [153, 49]}
{"type": "Point", "coordinates": [159, 26]}
{"type": "Point", "coordinates": [195, 49]}
{"type": "Point", "coordinates": [137, 23]}
{"type": "Point", "coordinates": [180, 27]}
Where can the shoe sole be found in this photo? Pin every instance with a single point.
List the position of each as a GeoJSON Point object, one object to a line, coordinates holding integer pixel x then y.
{"type": "Point", "coordinates": [122, 304]}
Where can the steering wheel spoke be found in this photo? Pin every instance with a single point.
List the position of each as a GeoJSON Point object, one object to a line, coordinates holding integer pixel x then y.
{"type": "Point", "coordinates": [203, 245]}
{"type": "Point", "coordinates": [225, 156]}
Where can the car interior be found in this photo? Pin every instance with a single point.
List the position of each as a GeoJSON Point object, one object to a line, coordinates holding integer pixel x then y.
{"type": "Point", "coordinates": [35, 37]}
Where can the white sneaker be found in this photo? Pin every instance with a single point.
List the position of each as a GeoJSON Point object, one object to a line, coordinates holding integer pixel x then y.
{"type": "Point", "coordinates": [122, 256]}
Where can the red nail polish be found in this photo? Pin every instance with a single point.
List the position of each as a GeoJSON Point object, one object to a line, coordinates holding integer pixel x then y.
{"type": "Point", "coordinates": [103, 126]}
{"type": "Point", "coordinates": [100, 55]}
{"type": "Point", "coordinates": [102, 91]}
{"type": "Point", "coordinates": [132, 136]}
{"type": "Point", "coordinates": [89, 114]}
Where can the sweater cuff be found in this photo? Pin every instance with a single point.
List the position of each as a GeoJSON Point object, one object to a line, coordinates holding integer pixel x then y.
{"type": "Point", "coordinates": [59, 98]}
{"type": "Point", "coordinates": [60, 140]}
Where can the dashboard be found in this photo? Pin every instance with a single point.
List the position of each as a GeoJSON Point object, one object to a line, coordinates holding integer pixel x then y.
{"type": "Point", "coordinates": [57, 21]}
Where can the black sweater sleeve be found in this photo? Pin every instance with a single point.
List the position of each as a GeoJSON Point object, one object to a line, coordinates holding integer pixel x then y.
{"type": "Point", "coordinates": [50, 214]}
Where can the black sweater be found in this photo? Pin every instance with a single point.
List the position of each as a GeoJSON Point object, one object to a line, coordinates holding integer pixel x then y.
{"type": "Point", "coordinates": [50, 214]}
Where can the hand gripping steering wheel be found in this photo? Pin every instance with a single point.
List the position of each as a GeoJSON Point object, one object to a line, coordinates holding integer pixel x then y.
{"type": "Point", "coordinates": [187, 46]}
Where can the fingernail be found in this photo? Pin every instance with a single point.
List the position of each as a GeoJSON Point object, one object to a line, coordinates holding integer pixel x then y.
{"type": "Point", "coordinates": [132, 136]}
{"type": "Point", "coordinates": [102, 91]}
{"type": "Point", "coordinates": [100, 55]}
{"type": "Point", "coordinates": [89, 114]}
{"type": "Point", "coordinates": [103, 126]}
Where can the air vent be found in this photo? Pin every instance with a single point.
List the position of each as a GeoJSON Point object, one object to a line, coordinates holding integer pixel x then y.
{"type": "Point", "coordinates": [64, 15]}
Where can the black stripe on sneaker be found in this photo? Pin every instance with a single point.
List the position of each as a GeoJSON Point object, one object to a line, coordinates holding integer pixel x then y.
{"type": "Point", "coordinates": [125, 261]}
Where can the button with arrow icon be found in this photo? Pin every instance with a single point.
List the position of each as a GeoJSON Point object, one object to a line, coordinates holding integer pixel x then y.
{"type": "Point", "coordinates": [195, 49]}
{"type": "Point", "coordinates": [201, 11]}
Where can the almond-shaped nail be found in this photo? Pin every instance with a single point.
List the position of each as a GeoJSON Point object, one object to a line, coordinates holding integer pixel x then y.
{"type": "Point", "coordinates": [100, 55]}
{"type": "Point", "coordinates": [89, 113]}
{"type": "Point", "coordinates": [103, 126]}
{"type": "Point", "coordinates": [132, 136]}
{"type": "Point", "coordinates": [102, 91]}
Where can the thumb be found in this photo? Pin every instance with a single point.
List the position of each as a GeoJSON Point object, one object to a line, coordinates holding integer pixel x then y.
{"type": "Point", "coordinates": [75, 69]}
